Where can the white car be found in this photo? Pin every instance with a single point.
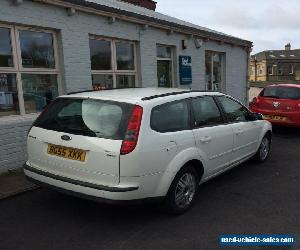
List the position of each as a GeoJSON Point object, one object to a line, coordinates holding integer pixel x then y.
{"type": "Point", "coordinates": [143, 143]}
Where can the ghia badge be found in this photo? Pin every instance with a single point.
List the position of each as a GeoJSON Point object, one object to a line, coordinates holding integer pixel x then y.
{"type": "Point", "coordinates": [66, 138]}
{"type": "Point", "coordinates": [276, 104]}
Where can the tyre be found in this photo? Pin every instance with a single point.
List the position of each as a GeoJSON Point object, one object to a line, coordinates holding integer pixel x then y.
{"type": "Point", "coordinates": [264, 149]}
{"type": "Point", "coordinates": [183, 190]}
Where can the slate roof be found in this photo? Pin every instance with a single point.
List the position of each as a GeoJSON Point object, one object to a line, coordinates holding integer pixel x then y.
{"type": "Point", "coordinates": [123, 8]}
{"type": "Point", "coordinates": [277, 54]}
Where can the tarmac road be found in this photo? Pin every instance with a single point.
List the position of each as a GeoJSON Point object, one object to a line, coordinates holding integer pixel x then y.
{"type": "Point", "coordinates": [250, 199]}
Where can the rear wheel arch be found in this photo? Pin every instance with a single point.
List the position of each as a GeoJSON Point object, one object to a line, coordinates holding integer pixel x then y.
{"type": "Point", "coordinates": [197, 165]}
{"type": "Point", "coordinates": [268, 134]}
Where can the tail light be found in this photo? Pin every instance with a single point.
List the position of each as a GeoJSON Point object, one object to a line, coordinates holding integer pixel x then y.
{"type": "Point", "coordinates": [255, 101]}
{"type": "Point", "coordinates": [132, 134]}
{"type": "Point", "coordinates": [298, 106]}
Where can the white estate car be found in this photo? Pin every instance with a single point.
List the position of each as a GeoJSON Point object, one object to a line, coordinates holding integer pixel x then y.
{"type": "Point", "coordinates": [143, 143]}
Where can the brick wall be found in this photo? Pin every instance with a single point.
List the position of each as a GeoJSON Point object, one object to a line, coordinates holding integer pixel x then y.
{"type": "Point", "coordinates": [73, 39]}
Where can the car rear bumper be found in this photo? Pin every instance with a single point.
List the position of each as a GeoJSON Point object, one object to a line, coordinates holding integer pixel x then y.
{"type": "Point", "coordinates": [292, 118]}
{"type": "Point", "coordinates": [116, 194]}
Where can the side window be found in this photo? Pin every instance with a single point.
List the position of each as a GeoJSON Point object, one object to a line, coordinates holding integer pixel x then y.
{"type": "Point", "coordinates": [235, 112]}
{"type": "Point", "coordinates": [170, 117]}
{"type": "Point", "coordinates": [206, 112]}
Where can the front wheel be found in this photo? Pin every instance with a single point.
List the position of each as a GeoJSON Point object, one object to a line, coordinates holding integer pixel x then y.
{"type": "Point", "coordinates": [264, 149]}
{"type": "Point", "coordinates": [183, 190]}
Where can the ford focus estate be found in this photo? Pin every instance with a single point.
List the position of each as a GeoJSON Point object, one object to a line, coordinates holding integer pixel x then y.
{"type": "Point", "coordinates": [135, 144]}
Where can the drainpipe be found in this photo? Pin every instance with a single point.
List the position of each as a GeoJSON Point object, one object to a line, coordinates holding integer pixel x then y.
{"type": "Point", "coordinates": [248, 51]}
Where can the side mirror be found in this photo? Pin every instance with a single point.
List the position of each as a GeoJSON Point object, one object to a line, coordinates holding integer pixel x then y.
{"type": "Point", "coordinates": [254, 116]}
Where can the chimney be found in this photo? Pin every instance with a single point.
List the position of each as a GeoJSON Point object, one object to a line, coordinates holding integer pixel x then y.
{"type": "Point", "coordinates": [288, 46]}
{"type": "Point", "coordinates": [148, 4]}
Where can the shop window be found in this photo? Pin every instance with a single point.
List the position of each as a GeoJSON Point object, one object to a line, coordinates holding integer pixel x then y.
{"type": "Point", "coordinates": [214, 64]}
{"type": "Point", "coordinates": [9, 102]}
{"type": "Point", "coordinates": [38, 91]}
{"type": "Point", "coordinates": [100, 54]}
{"type": "Point", "coordinates": [28, 65]}
{"type": "Point", "coordinates": [113, 63]}
{"type": "Point", "coordinates": [125, 81]}
{"type": "Point", "coordinates": [6, 57]}
{"type": "Point", "coordinates": [101, 82]}
{"type": "Point", "coordinates": [125, 56]}
{"type": "Point", "coordinates": [164, 66]}
{"type": "Point", "coordinates": [36, 49]}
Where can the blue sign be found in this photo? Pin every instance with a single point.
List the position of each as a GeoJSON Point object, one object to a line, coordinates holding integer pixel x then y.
{"type": "Point", "coordinates": [185, 70]}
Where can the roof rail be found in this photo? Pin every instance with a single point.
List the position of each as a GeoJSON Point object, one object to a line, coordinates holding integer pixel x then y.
{"type": "Point", "coordinates": [173, 93]}
{"type": "Point", "coordinates": [95, 90]}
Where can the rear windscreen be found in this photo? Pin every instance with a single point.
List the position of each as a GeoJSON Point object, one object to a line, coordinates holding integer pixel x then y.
{"type": "Point", "coordinates": [88, 117]}
{"type": "Point", "coordinates": [281, 92]}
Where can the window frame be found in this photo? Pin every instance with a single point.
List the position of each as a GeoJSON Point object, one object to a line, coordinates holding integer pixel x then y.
{"type": "Point", "coordinates": [193, 118]}
{"type": "Point", "coordinates": [114, 64]}
{"type": "Point", "coordinates": [18, 68]}
{"type": "Point", "coordinates": [190, 127]}
{"type": "Point", "coordinates": [226, 120]}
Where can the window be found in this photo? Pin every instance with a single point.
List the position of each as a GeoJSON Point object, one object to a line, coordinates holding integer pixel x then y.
{"type": "Point", "coordinates": [170, 117]}
{"type": "Point", "coordinates": [164, 66]}
{"type": "Point", "coordinates": [100, 54]}
{"type": "Point", "coordinates": [94, 118]}
{"type": "Point", "coordinates": [113, 63]}
{"type": "Point", "coordinates": [36, 49]}
{"type": "Point", "coordinates": [38, 91]}
{"type": "Point", "coordinates": [280, 69]}
{"type": "Point", "coordinates": [281, 92]}
{"type": "Point", "coordinates": [291, 69]}
{"type": "Point", "coordinates": [28, 69]}
{"type": "Point", "coordinates": [206, 112]}
{"type": "Point", "coordinates": [235, 112]}
{"type": "Point", "coordinates": [125, 56]}
{"type": "Point", "coordinates": [214, 67]}
{"type": "Point", "coordinates": [270, 70]}
{"type": "Point", "coordinates": [6, 57]}
{"type": "Point", "coordinates": [9, 102]}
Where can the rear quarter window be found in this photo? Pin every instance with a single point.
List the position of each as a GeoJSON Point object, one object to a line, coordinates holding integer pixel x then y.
{"type": "Point", "coordinates": [170, 117]}
{"type": "Point", "coordinates": [89, 117]}
{"type": "Point", "coordinates": [281, 92]}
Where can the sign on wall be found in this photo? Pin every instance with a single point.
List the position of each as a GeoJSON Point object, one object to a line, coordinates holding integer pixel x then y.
{"type": "Point", "coordinates": [185, 70]}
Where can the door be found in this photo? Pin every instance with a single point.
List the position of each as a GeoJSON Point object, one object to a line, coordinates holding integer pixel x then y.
{"type": "Point", "coordinates": [164, 73]}
{"type": "Point", "coordinates": [246, 133]}
{"type": "Point", "coordinates": [214, 139]}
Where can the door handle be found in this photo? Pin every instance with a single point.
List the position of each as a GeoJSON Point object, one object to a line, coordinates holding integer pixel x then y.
{"type": "Point", "coordinates": [206, 139]}
{"type": "Point", "coordinates": [239, 131]}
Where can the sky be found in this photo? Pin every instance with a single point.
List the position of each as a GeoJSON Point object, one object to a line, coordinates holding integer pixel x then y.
{"type": "Point", "coordinates": [269, 24]}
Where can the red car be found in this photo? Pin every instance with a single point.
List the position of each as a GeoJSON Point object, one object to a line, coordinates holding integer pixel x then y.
{"type": "Point", "coordinates": [279, 104]}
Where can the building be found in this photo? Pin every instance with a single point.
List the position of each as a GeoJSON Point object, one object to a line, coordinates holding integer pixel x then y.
{"type": "Point", "coordinates": [49, 48]}
{"type": "Point", "coordinates": [276, 66]}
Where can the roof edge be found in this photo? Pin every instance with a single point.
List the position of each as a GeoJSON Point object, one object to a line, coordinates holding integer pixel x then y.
{"type": "Point", "coordinates": [143, 19]}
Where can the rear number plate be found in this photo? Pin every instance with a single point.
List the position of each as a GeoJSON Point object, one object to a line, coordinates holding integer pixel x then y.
{"type": "Point", "coordinates": [274, 118]}
{"type": "Point", "coordinates": [65, 152]}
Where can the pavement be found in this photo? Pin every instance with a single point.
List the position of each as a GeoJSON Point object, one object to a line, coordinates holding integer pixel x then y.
{"type": "Point", "coordinates": [249, 199]}
{"type": "Point", "coordinates": [13, 183]}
